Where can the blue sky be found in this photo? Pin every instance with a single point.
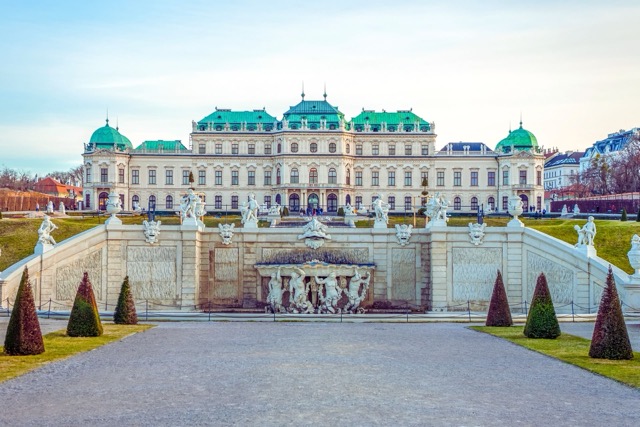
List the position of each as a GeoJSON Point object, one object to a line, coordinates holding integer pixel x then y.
{"type": "Point", "coordinates": [571, 68]}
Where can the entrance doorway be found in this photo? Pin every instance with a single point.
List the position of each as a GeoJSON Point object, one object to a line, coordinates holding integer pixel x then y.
{"type": "Point", "coordinates": [312, 203]}
{"type": "Point", "coordinates": [102, 201]}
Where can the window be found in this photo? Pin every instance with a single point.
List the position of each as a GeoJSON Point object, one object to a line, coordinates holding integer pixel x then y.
{"type": "Point", "coordinates": [392, 179]}
{"type": "Point", "coordinates": [279, 148]}
{"type": "Point", "coordinates": [523, 177]}
{"type": "Point", "coordinates": [267, 148]}
{"type": "Point", "coordinates": [457, 178]}
{"type": "Point", "coordinates": [168, 177]}
{"type": "Point", "coordinates": [87, 201]}
{"type": "Point", "coordinates": [358, 202]}
{"type": "Point", "coordinates": [234, 202]}
{"type": "Point", "coordinates": [294, 203]}
{"type": "Point", "coordinates": [294, 147]}
{"type": "Point", "coordinates": [505, 203]}
{"type": "Point", "coordinates": [333, 176]}
{"type": "Point", "coordinates": [392, 150]}
{"type": "Point", "coordinates": [474, 178]}
{"type": "Point", "coordinates": [152, 203]}
{"type": "Point", "coordinates": [539, 178]}
{"type": "Point", "coordinates": [185, 177]}
{"type": "Point", "coordinates": [474, 203]}
{"type": "Point", "coordinates": [152, 176]}
{"type": "Point", "coordinates": [408, 179]}
{"type": "Point", "coordinates": [267, 201]}
{"type": "Point", "coordinates": [267, 177]}
{"type": "Point", "coordinates": [539, 203]}
{"type": "Point", "coordinates": [348, 176]}
{"type": "Point", "coordinates": [135, 176]}
{"type": "Point", "coordinates": [202, 177]}
{"type": "Point", "coordinates": [278, 176]}
{"type": "Point", "coordinates": [358, 178]}
{"type": "Point", "coordinates": [104, 175]}
{"type": "Point", "coordinates": [313, 147]}
{"type": "Point", "coordinates": [358, 149]}
{"type": "Point", "coordinates": [491, 202]}
{"type": "Point", "coordinates": [169, 202]}
{"type": "Point", "coordinates": [407, 203]}
{"type": "Point", "coordinates": [332, 147]}
{"type": "Point", "coordinates": [251, 177]}
{"type": "Point", "coordinates": [375, 149]}
{"type": "Point", "coordinates": [252, 149]}
{"type": "Point", "coordinates": [234, 148]}
{"type": "Point", "coordinates": [313, 176]}
{"type": "Point", "coordinates": [457, 203]}
{"type": "Point", "coordinates": [332, 203]}
{"type": "Point", "coordinates": [202, 148]}
{"type": "Point", "coordinates": [121, 176]}
{"type": "Point", "coordinates": [375, 178]}
{"type": "Point", "coordinates": [425, 150]}
{"type": "Point", "coordinates": [491, 179]}
{"type": "Point", "coordinates": [424, 179]}
{"type": "Point", "coordinates": [505, 177]}
{"type": "Point", "coordinates": [295, 176]}
{"type": "Point", "coordinates": [88, 176]}
{"type": "Point", "coordinates": [135, 200]}
{"type": "Point", "coordinates": [392, 202]}
{"type": "Point", "coordinates": [234, 178]}
{"type": "Point", "coordinates": [217, 202]}
{"type": "Point", "coordinates": [348, 148]}
{"type": "Point", "coordinates": [218, 148]}
{"type": "Point", "coordinates": [218, 175]}
{"type": "Point", "coordinates": [440, 179]}
{"type": "Point", "coordinates": [407, 150]}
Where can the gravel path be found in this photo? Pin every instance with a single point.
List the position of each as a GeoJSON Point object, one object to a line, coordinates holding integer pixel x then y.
{"type": "Point", "coordinates": [271, 374]}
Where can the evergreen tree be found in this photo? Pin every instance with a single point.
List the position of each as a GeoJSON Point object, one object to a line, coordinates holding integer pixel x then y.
{"type": "Point", "coordinates": [125, 313]}
{"type": "Point", "coordinates": [499, 313]}
{"type": "Point", "coordinates": [84, 320]}
{"type": "Point", "coordinates": [623, 217]}
{"type": "Point", "coordinates": [610, 337]}
{"type": "Point", "coordinates": [542, 321]}
{"type": "Point", "coordinates": [23, 336]}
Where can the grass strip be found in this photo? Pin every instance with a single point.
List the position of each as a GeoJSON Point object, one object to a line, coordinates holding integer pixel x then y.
{"type": "Point", "coordinates": [59, 346]}
{"type": "Point", "coordinates": [573, 350]}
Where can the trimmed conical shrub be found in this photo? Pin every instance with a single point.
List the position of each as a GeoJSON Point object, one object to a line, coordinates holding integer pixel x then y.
{"type": "Point", "coordinates": [125, 313]}
{"type": "Point", "coordinates": [623, 217]}
{"type": "Point", "coordinates": [542, 321]}
{"type": "Point", "coordinates": [84, 320]}
{"type": "Point", "coordinates": [610, 337]}
{"type": "Point", "coordinates": [499, 313]}
{"type": "Point", "coordinates": [23, 336]}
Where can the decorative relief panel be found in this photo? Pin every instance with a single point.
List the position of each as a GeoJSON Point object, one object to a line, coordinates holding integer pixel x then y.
{"type": "Point", "coordinates": [559, 278]}
{"type": "Point", "coordinates": [403, 275]}
{"type": "Point", "coordinates": [152, 272]}
{"type": "Point", "coordinates": [300, 256]}
{"type": "Point", "coordinates": [226, 286]}
{"type": "Point", "coordinates": [68, 277]}
{"type": "Point", "coordinates": [474, 273]}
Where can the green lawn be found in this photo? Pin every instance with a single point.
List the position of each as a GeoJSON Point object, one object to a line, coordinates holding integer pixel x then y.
{"type": "Point", "coordinates": [59, 346]}
{"type": "Point", "coordinates": [573, 350]}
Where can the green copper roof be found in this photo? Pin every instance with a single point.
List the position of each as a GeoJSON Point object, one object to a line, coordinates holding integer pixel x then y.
{"type": "Point", "coordinates": [106, 137]}
{"type": "Point", "coordinates": [313, 112]}
{"type": "Point", "coordinates": [313, 108]}
{"type": "Point", "coordinates": [161, 145]}
{"type": "Point", "coordinates": [405, 118]}
{"type": "Point", "coordinates": [520, 139]}
{"type": "Point", "coordinates": [236, 119]}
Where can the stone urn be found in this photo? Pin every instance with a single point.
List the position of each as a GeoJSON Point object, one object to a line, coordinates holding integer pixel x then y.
{"type": "Point", "coordinates": [515, 210]}
{"type": "Point", "coordinates": [113, 208]}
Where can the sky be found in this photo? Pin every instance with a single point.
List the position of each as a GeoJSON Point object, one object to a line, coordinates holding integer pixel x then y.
{"type": "Point", "coordinates": [570, 69]}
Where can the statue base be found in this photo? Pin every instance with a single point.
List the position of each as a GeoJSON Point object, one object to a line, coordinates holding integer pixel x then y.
{"type": "Point", "coordinates": [113, 220]}
{"type": "Point", "coordinates": [588, 250]}
{"type": "Point", "coordinates": [515, 222]}
{"type": "Point", "coordinates": [380, 223]}
{"type": "Point", "coordinates": [251, 224]}
{"type": "Point", "coordinates": [42, 248]}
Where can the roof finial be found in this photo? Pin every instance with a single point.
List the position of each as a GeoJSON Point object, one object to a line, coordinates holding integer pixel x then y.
{"type": "Point", "coordinates": [117, 127]}
{"type": "Point", "coordinates": [302, 94]}
{"type": "Point", "coordinates": [325, 91]}
{"type": "Point", "coordinates": [520, 119]}
{"type": "Point", "coordinates": [509, 126]}
{"type": "Point", "coordinates": [107, 116]}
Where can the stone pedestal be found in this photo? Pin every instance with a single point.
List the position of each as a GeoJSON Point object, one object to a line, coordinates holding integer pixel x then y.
{"type": "Point", "coordinates": [515, 222]}
{"type": "Point", "coordinates": [250, 224]}
{"type": "Point", "coordinates": [588, 250]}
{"type": "Point", "coordinates": [113, 220]}
{"type": "Point", "coordinates": [42, 248]}
{"type": "Point", "coordinates": [380, 223]}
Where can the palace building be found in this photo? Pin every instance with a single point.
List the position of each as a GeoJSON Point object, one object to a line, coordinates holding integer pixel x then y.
{"type": "Point", "coordinates": [313, 158]}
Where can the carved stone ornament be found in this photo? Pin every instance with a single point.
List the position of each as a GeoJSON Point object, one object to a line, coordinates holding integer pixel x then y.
{"type": "Point", "coordinates": [403, 233]}
{"type": "Point", "coordinates": [151, 231]}
{"type": "Point", "coordinates": [476, 233]}
{"type": "Point", "coordinates": [226, 232]}
{"type": "Point", "coordinates": [314, 234]}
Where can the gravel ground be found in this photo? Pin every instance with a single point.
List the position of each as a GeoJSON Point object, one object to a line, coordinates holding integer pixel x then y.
{"type": "Point", "coordinates": [271, 374]}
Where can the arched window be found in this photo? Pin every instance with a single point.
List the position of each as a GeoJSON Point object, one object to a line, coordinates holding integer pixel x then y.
{"type": "Point", "coordinates": [348, 199]}
{"type": "Point", "coordinates": [278, 176]}
{"type": "Point", "coordinates": [313, 176]}
{"type": "Point", "coordinates": [313, 147]}
{"type": "Point", "coordinates": [169, 202]}
{"type": "Point", "coordinates": [474, 203]}
{"type": "Point", "coordinates": [333, 176]}
{"type": "Point", "coordinates": [279, 148]}
{"type": "Point", "coordinates": [348, 176]}
{"type": "Point", "coordinates": [457, 204]}
{"type": "Point", "coordinates": [295, 177]}
{"type": "Point", "coordinates": [152, 203]}
{"type": "Point", "coordinates": [492, 203]}
{"type": "Point", "coordinates": [332, 147]}
{"type": "Point", "coordinates": [332, 203]}
{"type": "Point", "coordinates": [294, 147]}
{"type": "Point", "coordinates": [294, 203]}
{"type": "Point", "coordinates": [135, 201]}
{"type": "Point", "coordinates": [278, 199]}
{"type": "Point", "coordinates": [102, 201]}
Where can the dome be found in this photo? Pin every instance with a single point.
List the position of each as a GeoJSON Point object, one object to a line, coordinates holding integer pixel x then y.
{"type": "Point", "coordinates": [106, 137]}
{"type": "Point", "coordinates": [520, 139]}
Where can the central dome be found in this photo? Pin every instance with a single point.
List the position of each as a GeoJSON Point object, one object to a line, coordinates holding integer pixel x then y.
{"type": "Point", "coordinates": [518, 140]}
{"type": "Point", "coordinates": [107, 137]}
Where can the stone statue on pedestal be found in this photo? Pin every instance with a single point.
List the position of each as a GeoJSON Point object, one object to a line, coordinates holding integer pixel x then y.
{"type": "Point", "coordinates": [586, 234]}
{"type": "Point", "coordinates": [332, 292]}
{"type": "Point", "coordinates": [354, 294]}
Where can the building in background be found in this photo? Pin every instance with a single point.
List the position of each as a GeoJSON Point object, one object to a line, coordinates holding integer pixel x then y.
{"type": "Point", "coordinates": [608, 147]}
